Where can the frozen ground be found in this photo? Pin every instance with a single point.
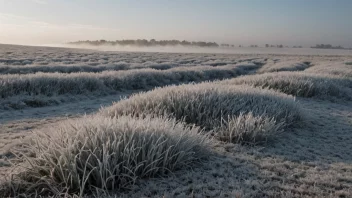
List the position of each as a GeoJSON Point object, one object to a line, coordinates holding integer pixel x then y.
{"type": "Point", "coordinates": [312, 160]}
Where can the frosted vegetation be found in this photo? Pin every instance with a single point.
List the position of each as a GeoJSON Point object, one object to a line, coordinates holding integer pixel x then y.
{"type": "Point", "coordinates": [78, 157]}
{"type": "Point", "coordinates": [50, 60]}
{"type": "Point", "coordinates": [340, 70]}
{"type": "Point", "coordinates": [131, 140]}
{"type": "Point", "coordinates": [54, 84]}
{"type": "Point", "coordinates": [48, 86]}
{"type": "Point", "coordinates": [49, 77]}
{"type": "Point", "coordinates": [175, 123]}
{"type": "Point", "coordinates": [276, 66]}
{"type": "Point", "coordinates": [322, 86]}
{"type": "Point", "coordinates": [269, 111]}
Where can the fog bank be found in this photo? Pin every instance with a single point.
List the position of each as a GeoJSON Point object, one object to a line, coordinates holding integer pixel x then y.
{"type": "Point", "coordinates": [221, 50]}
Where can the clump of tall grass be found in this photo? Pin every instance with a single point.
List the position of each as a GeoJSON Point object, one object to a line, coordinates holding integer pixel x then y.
{"type": "Point", "coordinates": [284, 66]}
{"type": "Point", "coordinates": [248, 128]}
{"type": "Point", "coordinates": [208, 105]}
{"type": "Point", "coordinates": [51, 84]}
{"type": "Point", "coordinates": [300, 84]}
{"type": "Point", "coordinates": [101, 153]}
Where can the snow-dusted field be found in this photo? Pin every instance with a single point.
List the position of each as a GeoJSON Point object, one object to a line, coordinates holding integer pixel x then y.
{"type": "Point", "coordinates": [307, 115]}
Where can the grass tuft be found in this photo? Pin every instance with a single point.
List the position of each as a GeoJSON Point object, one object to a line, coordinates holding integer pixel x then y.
{"type": "Point", "coordinates": [93, 153]}
{"type": "Point", "coordinates": [247, 128]}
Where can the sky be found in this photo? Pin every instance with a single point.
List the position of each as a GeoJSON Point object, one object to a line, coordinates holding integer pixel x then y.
{"type": "Point", "coordinates": [245, 22]}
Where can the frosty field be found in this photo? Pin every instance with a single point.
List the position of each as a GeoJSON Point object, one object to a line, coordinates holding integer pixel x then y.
{"type": "Point", "coordinates": [89, 123]}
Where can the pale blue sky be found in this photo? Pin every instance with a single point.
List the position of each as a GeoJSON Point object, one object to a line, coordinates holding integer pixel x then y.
{"type": "Point", "coordinates": [288, 22]}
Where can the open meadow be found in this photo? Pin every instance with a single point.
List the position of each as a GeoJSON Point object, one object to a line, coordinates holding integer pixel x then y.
{"type": "Point", "coordinates": [89, 123]}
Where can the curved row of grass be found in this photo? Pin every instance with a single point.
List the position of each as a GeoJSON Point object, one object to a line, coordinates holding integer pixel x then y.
{"type": "Point", "coordinates": [51, 84]}
{"type": "Point", "coordinates": [94, 67]}
{"type": "Point", "coordinates": [300, 84]}
{"type": "Point", "coordinates": [87, 67]}
{"type": "Point", "coordinates": [335, 69]}
{"type": "Point", "coordinates": [61, 68]}
{"type": "Point", "coordinates": [231, 113]}
{"type": "Point", "coordinates": [284, 66]}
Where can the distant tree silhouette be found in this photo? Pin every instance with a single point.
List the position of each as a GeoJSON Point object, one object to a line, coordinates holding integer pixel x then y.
{"type": "Point", "coordinates": [151, 42]}
{"type": "Point", "coordinates": [327, 46]}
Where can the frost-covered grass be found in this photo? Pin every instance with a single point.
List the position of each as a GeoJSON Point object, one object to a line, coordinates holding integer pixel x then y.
{"type": "Point", "coordinates": [97, 153]}
{"type": "Point", "coordinates": [62, 68]}
{"type": "Point", "coordinates": [248, 128]}
{"type": "Point", "coordinates": [52, 84]}
{"type": "Point", "coordinates": [94, 67]}
{"type": "Point", "coordinates": [300, 84]}
{"type": "Point", "coordinates": [335, 69]}
{"type": "Point", "coordinates": [284, 66]}
{"type": "Point", "coordinates": [233, 113]}
{"type": "Point", "coordinates": [100, 67]}
{"type": "Point", "coordinates": [22, 60]}
{"type": "Point", "coordinates": [126, 149]}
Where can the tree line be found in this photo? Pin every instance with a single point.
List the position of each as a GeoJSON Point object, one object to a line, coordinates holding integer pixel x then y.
{"type": "Point", "coordinates": [153, 42]}
{"type": "Point", "coordinates": [327, 46]}
{"type": "Point", "coordinates": [148, 43]}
